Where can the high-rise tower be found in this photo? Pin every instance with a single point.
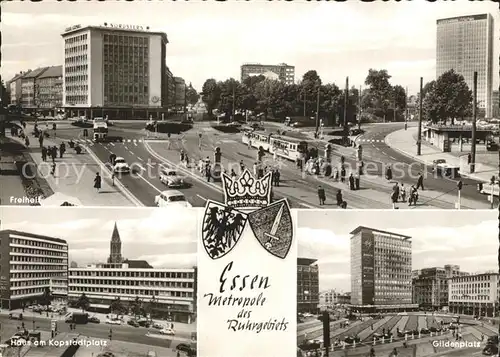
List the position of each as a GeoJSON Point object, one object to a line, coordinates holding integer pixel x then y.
{"type": "Point", "coordinates": [115, 256]}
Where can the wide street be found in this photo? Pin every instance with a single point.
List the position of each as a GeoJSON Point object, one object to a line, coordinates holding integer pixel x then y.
{"type": "Point", "coordinates": [146, 155]}
{"type": "Point", "coordinates": [120, 333]}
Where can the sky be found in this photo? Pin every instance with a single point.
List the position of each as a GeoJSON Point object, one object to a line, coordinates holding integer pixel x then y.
{"type": "Point", "coordinates": [165, 238]}
{"type": "Point", "coordinates": [468, 238]}
{"type": "Point", "coordinates": [213, 39]}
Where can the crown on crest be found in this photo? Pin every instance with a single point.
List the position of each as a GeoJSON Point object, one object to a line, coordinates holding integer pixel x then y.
{"type": "Point", "coordinates": [246, 191]}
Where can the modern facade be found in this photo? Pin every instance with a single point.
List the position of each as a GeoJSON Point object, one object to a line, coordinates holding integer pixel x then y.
{"type": "Point", "coordinates": [30, 266]}
{"type": "Point", "coordinates": [180, 93]}
{"type": "Point", "coordinates": [170, 90]}
{"type": "Point", "coordinates": [474, 294]}
{"type": "Point", "coordinates": [380, 271]}
{"type": "Point", "coordinates": [307, 286]}
{"type": "Point", "coordinates": [430, 286]}
{"type": "Point", "coordinates": [171, 293]}
{"type": "Point", "coordinates": [285, 72]}
{"type": "Point", "coordinates": [28, 88]}
{"type": "Point", "coordinates": [48, 89]}
{"type": "Point", "coordinates": [495, 100]}
{"type": "Point", "coordinates": [114, 70]}
{"type": "Point", "coordinates": [332, 298]}
{"type": "Point", "coordinates": [15, 88]}
{"type": "Point", "coordinates": [465, 44]}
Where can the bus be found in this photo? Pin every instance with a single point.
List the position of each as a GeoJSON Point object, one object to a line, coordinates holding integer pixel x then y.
{"type": "Point", "coordinates": [100, 130]}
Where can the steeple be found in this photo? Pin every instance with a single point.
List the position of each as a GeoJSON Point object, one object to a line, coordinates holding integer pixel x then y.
{"type": "Point", "coordinates": [115, 255]}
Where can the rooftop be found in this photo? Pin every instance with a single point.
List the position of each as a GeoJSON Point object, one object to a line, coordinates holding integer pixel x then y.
{"type": "Point", "coordinates": [362, 228]}
{"type": "Point", "coordinates": [306, 261]}
{"type": "Point", "coordinates": [53, 71]}
{"type": "Point", "coordinates": [464, 17]}
{"type": "Point", "coordinates": [144, 30]}
{"type": "Point", "coordinates": [35, 73]}
{"type": "Point", "coordinates": [31, 235]}
{"type": "Point", "coordinates": [18, 76]}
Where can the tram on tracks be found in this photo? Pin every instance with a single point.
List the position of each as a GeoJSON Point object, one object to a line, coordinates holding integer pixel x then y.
{"type": "Point", "coordinates": [283, 146]}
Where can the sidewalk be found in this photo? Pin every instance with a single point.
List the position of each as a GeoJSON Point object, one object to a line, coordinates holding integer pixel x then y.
{"type": "Point", "coordinates": [121, 349]}
{"type": "Point", "coordinates": [404, 142]}
{"type": "Point", "coordinates": [74, 174]}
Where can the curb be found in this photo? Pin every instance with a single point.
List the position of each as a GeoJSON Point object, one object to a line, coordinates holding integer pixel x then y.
{"type": "Point", "coordinates": [118, 184]}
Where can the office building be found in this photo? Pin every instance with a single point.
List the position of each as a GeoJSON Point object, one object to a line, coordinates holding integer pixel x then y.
{"type": "Point", "coordinates": [474, 294]}
{"type": "Point", "coordinates": [495, 100]}
{"type": "Point", "coordinates": [331, 298]}
{"type": "Point", "coordinates": [430, 286]}
{"type": "Point", "coordinates": [114, 70]}
{"type": "Point", "coordinates": [28, 87]}
{"type": "Point", "coordinates": [307, 286]}
{"type": "Point", "coordinates": [48, 90]}
{"type": "Point", "coordinates": [380, 271]}
{"type": "Point", "coordinates": [180, 93]}
{"type": "Point", "coordinates": [170, 90]}
{"type": "Point", "coordinates": [285, 73]}
{"type": "Point", "coordinates": [31, 265]}
{"type": "Point", "coordinates": [465, 44]}
{"type": "Point", "coordinates": [169, 293]}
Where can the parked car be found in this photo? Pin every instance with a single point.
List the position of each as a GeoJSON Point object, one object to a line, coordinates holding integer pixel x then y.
{"type": "Point", "coordinates": [183, 347]}
{"type": "Point", "coordinates": [94, 320]}
{"type": "Point", "coordinates": [114, 322]}
{"type": "Point", "coordinates": [133, 323]}
{"type": "Point", "coordinates": [167, 331]}
{"type": "Point", "coordinates": [144, 323]}
{"type": "Point", "coordinates": [158, 326]}
{"type": "Point", "coordinates": [15, 316]}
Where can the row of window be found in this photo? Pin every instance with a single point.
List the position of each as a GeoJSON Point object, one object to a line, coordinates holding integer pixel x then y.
{"type": "Point", "coordinates": [58, 275]}
{"type": "Point", "coordinates": [134, 274]}
{"type": "Point", "coordinates": [76, 49]}
{"type": "Point", "coordinates": [76, 99]}
{"type": "Point", "coordinates": [76, 39]}
{"type": "Point", "coordinates": [34, 283]}
{"type": "Point", "coordinates": [135, 292]}
{"type": "Point", "coordinates": [16, 259]}
{"type": "Point", "coordinates": [75, 59]}
{"type": "Point", "coordinates": [30, 291]}
{"type": "Point", "coordinates": [77, 88]}
{"type": "Point", "coordinates": [74, 69]}
{"type": "Point", "coordinates": [77, 78]}
{"type": "Point", "coordinates": [145, 283]}
{"type": "Point", "coordinates": [37, 243]}
{"type": "Point", "coordinates": [125, 39]}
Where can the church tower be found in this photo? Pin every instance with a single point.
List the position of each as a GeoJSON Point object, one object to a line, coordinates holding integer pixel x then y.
{"type": "Point", "coordinates": [115, 256]}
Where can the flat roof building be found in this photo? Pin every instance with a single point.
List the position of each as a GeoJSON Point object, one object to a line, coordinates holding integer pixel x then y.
{"type": "Point", "coordinates": [474, 294]}
{"type": "Point", "coordinates": [30, 266]}
{"type": "Point", "coordinates": [307, 286]}
{"type": "Point", "coordinates": [114, 69]}
{"type": "Point", "coordinates": [465, 44]}
{"type": "Point", "coordinates": [284, 72]}
{"type": "Point", "coordinates": [380, 271]}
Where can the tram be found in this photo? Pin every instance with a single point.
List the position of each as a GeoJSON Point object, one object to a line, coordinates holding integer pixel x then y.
{"type": "Point", "coordinates": [282, 146]}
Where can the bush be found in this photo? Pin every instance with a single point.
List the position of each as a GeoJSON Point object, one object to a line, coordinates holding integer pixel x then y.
{"type": "Point", "coordinates": [227, 129]}
{"type": "Point", "coordinates": [170, 127]}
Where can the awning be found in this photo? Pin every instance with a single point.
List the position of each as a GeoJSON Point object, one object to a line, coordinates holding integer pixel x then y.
{"type": "Point", "coordinates": [60, 199]}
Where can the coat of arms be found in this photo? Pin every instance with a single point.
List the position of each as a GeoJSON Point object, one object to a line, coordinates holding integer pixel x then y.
{"type": "Point", "coordinates": [247, 199]}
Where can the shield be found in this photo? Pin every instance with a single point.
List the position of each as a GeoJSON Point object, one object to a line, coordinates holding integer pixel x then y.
{"type": "Point", "coordinates": [273, 228]}
{"type": "Point", "coordinates": [222, 229]}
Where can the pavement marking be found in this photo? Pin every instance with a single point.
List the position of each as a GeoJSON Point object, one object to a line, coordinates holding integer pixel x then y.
{"type": "Point", "coordinates": [376, 147]}
{"type": "Point", "coordinates": [135, 144]}
{"type": "Point", "coordinates": [150, 184]}
{"type": "Point", "coordinates": [203, 198]}
{"type": "Point", "coordinates": [392, 157]}
{"type": "Point", "coordinates": [111, 144]}
{"type": "Point", "coordinates": [129, 141]}
{"type": "Point", "coordinates": [140, 158]}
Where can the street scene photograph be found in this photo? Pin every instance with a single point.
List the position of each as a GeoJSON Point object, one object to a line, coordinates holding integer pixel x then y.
{"type": "Point", "coordinates": [403, 283]}
{"type": "Point", "coordinates": [89, 282]}
{"type": "Point", "coordinates": [147, 104]}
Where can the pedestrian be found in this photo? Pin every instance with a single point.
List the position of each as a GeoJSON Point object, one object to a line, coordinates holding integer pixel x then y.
{"type": "Point", "coordinates": [388, 173]}
{"type": "Point", "coordinates": [469, 158]}
{"type": "Point", "coordinates": [394, 199]}
{"type": "Point", "coordinates": [351, 182]}
{"type": "Point", "coordinates": [420, 181]}
{"type": "Point", "coordinates": [53, 153]}
{"type": "Point", "coordinates": [403, 193]}
{"type": "Point", "coordinates": [26, 141]}
{"type": "Point", "coordinates": [342, 174]}
{"type": "Point", "coordinates": [97, 182]}
{"type": "Point", "coordinates": [182, 155]}
{"type": "Point", "coordinates": [395, 190]}
{"type": "Point", "coordinates": [44, 153]}
{"type": "Point", "coordinates": [233, 174]}
{"type": "Point", "coordinates": [186, 160]}
{"type": "Point", "coordinates": [178, 354]}
{"type": "Point", "coordinates": [62, 150]}
{"type": "Point", "coordinates": [321, 195]}
{"type": "Point", "coordinates": [40, 140]}
{"type": "Point", "coordinates": [340, 199]}
{"type": "Point", "coordinates": [277, 176]}
{"type": "Point", "coordinates": [53, 169]}
{"type": "Point", "coordinates": [413, 198]}
{"type": "Point", "coordinates": [260, 172]}
{"type": "Point", "coordinates": [208, 172]}
{"type": "Point", "coordinates": [242, 166]}
{"type": "Point", "coordinates": [255, 169]}
{"type": "Point", "coordinates": [395, 352]}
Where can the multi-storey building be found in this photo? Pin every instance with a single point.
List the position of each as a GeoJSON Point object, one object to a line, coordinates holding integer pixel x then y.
{"type": "Point", "coordinates": [307, 285]}
{"type": "Point", "coordinates": [331, 298]}
{"type": "Point", "coordinates": [465, 44]}
{"type": "Point", "coordinates": [171, 293]}
{"type": "Point", "coordinates": [495, 100]}
{"type": "Point", "coordinates": [430, 286]}
{"type": "Point", "coordinates": [28, 87]}
{"type": "Point", "coordinates": [48, 89]}
{"type": "Point", "coordinates": [15, 88]}
{"type": "Point", "coordinates": [30, 266]}
{"type": "Point", "coordinates": [114, 69]}
{"type": "Point", "coordinates": [285, 72]}
{"type": "Point", "coordinates": [170, 90]}
{"type": "Point", "coordinates": [474, 294]}
{"type": "Point", "coordinates": [180, 93]}
{"type": "Point", "coordinates": [380, 271]}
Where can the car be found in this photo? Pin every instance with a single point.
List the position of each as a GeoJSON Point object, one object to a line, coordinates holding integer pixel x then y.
{"type": "Point", "coordinates": [14, 316]}
{"type": "Point", "coordinates": [94, 320]}
{"type": "Point", "coordinates": [144, 323]}
{"type": "Point", "coordinates": [17, 340]}
{"type": "Point", "coordinates": [171, 178]}
{"type": "Point", "coordinates": [114, 322]}
{"type": "Point", "coordinates": [233, 124]}
{"type": "Point", "coordinates": [434, 329]}
{"type": "Point", "coordinates": [172, 198]}
{"type": "Point", "coordinates": [133, 323]}
{"type": "Point", "coordinates": [120, 165]}
{"type": "Point", "coordinates": [490, 349]}
{"type": "Point", "coordinates": [167, 331]}
{"type": "Point", "coordinates": [158, 326]}
{"type": "Point", "coordinates": [183, 347]}
{"type": "Point", "coordinates": [425, 331]}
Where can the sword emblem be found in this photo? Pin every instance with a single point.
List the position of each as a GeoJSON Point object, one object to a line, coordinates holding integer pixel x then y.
{"type": "Point", "coordinates": [272, 234]}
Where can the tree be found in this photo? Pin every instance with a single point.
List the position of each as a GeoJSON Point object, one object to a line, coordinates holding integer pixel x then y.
{"type": "Point", "coordinates": [117, 306]}
{"type": "Point", "coordinates": [151, 306]}
{"type": "Point", "coordinates": [381, 93]}
{"type": "Point", "coordinates": [448, 99]}
{"type": "Point", "coordinates": [210, 94]}
{"type": "Point", "coordinates": [192, 95]}
{"type": "Point", "coordinates": [137, 306]}
{"type": "Point", "coordinates": [4, 94]}
{"type": "Point", "coordinates": [83, 302]}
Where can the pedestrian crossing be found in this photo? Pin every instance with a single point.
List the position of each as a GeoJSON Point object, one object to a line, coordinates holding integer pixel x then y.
{"type": "Point", "coordinates": [92, 142]}
{"type": "Point", "coordinates": [371, 140]}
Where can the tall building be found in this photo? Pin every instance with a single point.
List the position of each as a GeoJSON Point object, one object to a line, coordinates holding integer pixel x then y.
{"type": "Point", "coordinates": [180, 93]}
{"type": "Point", "coordinates": [28, 87]}
{"type": "Point", "coordinates": [115, 247]}
{"type": "Point", "coordinates": [170, 293]}
{"type": "Point", "coordinates": [285, 73]}
{"type": "Point", "coordinates": [430, 286]}
{"type": "Point", "coordinates": [465, 44]}
{"type": "Point", "coordinates": [380, 271]}
{"type": "Point", "coordinates": [116, 70]}
{"type": "Point", "coordinates": [495, 100]}
{"type": "Point", "coordinates": [307, 285]}
{"type": "Point", "coordinates": [170, 90]}
{"type": "Point", "coordinates": [474, 294]}
{"type": "Point", "coordinates": [48, 90]}
{"type": "Point", "coordinates": [31, 265]}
